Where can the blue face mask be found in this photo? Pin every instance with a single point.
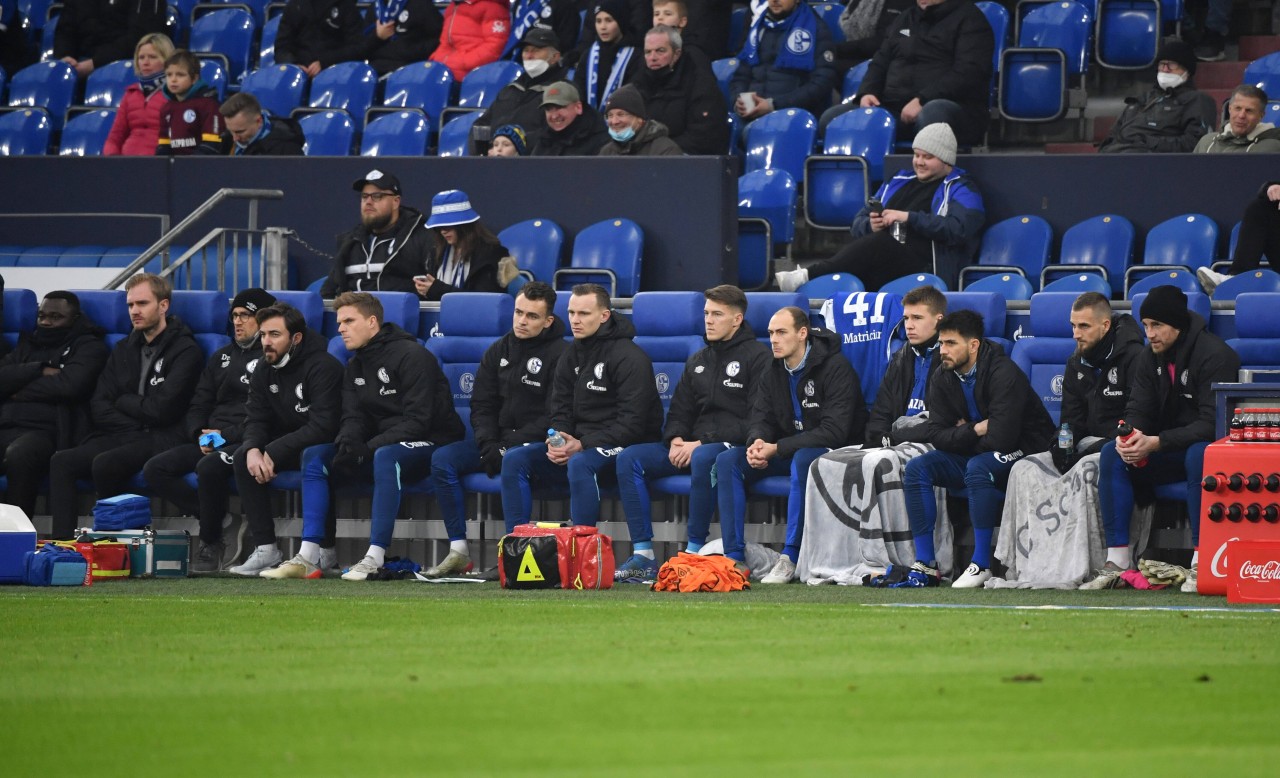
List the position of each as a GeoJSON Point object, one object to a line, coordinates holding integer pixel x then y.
{"type": "Point", "coordinates": [624, 135]}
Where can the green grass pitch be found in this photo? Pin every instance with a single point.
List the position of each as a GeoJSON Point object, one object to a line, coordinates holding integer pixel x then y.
{"type": "Point", "coordinates": [320, 678]}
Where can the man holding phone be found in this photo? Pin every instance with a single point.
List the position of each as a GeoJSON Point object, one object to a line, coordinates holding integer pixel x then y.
{"type": "Point", "coordinates": [927, 219]}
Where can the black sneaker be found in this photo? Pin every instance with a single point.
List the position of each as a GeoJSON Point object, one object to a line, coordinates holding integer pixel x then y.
{"type": "Point", "coordinates": [1212, 48]}
{"type": "Point", "coordinates": [209, 558]}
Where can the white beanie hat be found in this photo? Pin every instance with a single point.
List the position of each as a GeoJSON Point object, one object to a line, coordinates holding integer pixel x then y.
{"type": "Point", "coordinates": [937, 139]}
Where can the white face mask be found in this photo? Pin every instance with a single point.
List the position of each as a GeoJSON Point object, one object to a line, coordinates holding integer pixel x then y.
{"type": "Point", "coordinates": [536, 67]}
{"type": "Point", "coordinates": [1170, 80]}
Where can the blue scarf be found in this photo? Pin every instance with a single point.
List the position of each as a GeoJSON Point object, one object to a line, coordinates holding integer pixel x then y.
{"type": "Point", "coordinates": [800, 39]}
{"type": "Point", "coordinates": [793, 378]}
{"type": "Point", "coordinates": [968, 382]}
{"type": "Point", "coordinates": [262, 133]}
{"type": "Point", "coordinates": [388, 10]}
{"type": "Point", "coordinates": [525, 14]}
{"type": "Point", "coordinates": [151, 83]}
{"type": "Point", "coordinates": [615, 75]}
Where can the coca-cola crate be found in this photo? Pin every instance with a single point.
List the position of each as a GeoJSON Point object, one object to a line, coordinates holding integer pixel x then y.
{"type": "Point", "coordinates": [1240, 501]}
{"type": "Point", "coordinates": [1253, 571]}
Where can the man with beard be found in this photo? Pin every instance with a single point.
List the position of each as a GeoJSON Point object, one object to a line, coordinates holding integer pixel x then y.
{"type": "Point", "coordinates": [680, 91]}
{"type": "Point", "coordinates": [387, 250]}
{"type": "Point", "coordinates": [45, 384]}
{"type": "Point", "coordinates": [215, 425]}
{"type": "Point", "coordinates": [573, 129]}
{"type": "Point", "coordinates": [520, 102]}
{"type": "Point", "coordinates": [786, 62]}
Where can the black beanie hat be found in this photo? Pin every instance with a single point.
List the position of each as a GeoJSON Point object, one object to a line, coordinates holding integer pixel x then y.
{"type": "Point", "coordinates": [620, 10]}
{"type": "Point", "coordinates": [1168, 305]}
{"type": "Point", "coordinates": [253, 300]}
{"type": "Point", "coordinates": [1179, 51]}
{"type": "Point", "coordinates": [627, 98]}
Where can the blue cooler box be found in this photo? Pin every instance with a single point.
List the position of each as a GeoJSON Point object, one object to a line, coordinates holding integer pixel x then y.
{"type": "Point", "coordinates": [17, 537]}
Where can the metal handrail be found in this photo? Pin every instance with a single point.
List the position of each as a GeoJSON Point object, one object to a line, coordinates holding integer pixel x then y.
{"type": "Point", "coordinates": [252, 195]}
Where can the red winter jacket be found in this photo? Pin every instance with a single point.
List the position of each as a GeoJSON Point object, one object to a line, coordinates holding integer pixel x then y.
{"type": "Point", "coordinates": [475, 32]}
{"type": "Point", "coordinates": [137, 125]}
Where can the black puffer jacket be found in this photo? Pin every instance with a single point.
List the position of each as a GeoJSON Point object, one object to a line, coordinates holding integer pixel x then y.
{"type": "Point", "coordinates": [520, 102]}
{"type": "Point", "coordinates": [832, 411]}
{"type": "Point", "coordinates": [296, 405]}
{"type": "Point", "coordinates": [396, 258]}
{"type": "Point", "coordinates": [118, 408]}
{"type": "Point", "coordinates": [604, 393]}
{"type": "Point", "coordinates": [1164, 120]}
{"type": "Point", "coordinates": [1096, 386]}
{"type": "Point", "coordinates": [417, 35]}
{"type": "Point", "coordinates": [713, 401]}
{"type": "Point", "coordinates": [324, 31]}
{"type": "Point", "coordinates": [584, 137]}
{"type": "Point", "coordinates": [512, 393]}
{"type": "Point", "coordinates": [218, 403]}
{"type": "Point", "coordinates": [283, 139]}
{"type": "Point", "coordinates": [687, 99]}
{"type": "Point", "coordinates": [483, 276]}
{"type": "Point", "coordinates": [394, 391]}
{"type": "Point", "coordinates": [895, 393]}
{"type": "Point", "coordinates": [53, 403]}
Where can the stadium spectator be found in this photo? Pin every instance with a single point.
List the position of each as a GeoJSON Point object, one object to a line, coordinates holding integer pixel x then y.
{"type": "Point", "coordinates": [214, 430]}
{"type": "Point", "coordinates": [45, 385]}
{"type": "Point", "coordinates": [786, 62]}
{"type": "Point", "coordinates": [1171, 411]}
{"type": "Point", "coordinates": [632, 132]}
{"type": "Point", "coordinates": [1170, 118]}
{"type": "Point", "coordinates": [559, 17]}
{"type": "Point", "coordinates": [189, 120]}
{"type": "Point", "coordinates": [702, 24]}
{"type": "Point", "coordinates": [809, 402]}
{"type": "Point", "coordinates": [509, 140]}
{"type": "Point", "coordinates": [1259, 236]}
{"type": "Point", "coordinates": [475, 33]}
{"type": "Point", "coordinates": [390, 246]}
{"type": "Point", "coordinates": [573, 129]}
{"type": "Point", "coordinates": [983, 417]}
{"type": "Point", "coordinates": [1244, 131]}
{"type": "Point", "coordinates": [866, 24]}
{"type": "Point", "coordinates": [934, 66]}
{"type": "Point", "coordinates": [136, 127]}
{"type": "Point", "coordinates": [509, 409]}
{"type": "Point", "coordinates": [611, 59]}
{"type": "Point", "coordinates": [1217, 26]}
{"type": "Point", "coordinates": [400, 32]}
{"type": "Point", "coordinates": [709, 413]}
{"type": "Point", "coordinates": [466, 254]}
{"type": "Point", "coordinates": [927, 219]}
{"type": "Point", "coordinates": [138, 404]}
{"type": "Point", "coordinates": [253, 133]}
{"type": "Point", "coordinates": [603, 399]}
{"type": "Point", "coordinates": [93, 33]}
{"type": "Point", "coordinates": [315, 34]}
{"type": "Point", "coordinates": [295, 404]}
{"type": "Point", "coordinates": [681, 92]}
{"type": "Point", "coordinates": [520, 102]}
{"type": "Point", "coordinates": [396, 410]}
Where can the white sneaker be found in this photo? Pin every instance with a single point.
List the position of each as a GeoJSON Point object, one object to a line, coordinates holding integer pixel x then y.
{"type": "Point", "coordinates": [258, 561]}
{"type": "Point", "coordinates": [791, 280]}
{"type": "Point", "coordinates": [1108, 577]}
{"type": "Point", "coordinates": [454, 563]}
{"type": "Point", "coordinates": [1190, 586]}
{"type": "Point", "coordinates": [973, 577]}
{"type": "Point", "coordinates": [298, 567]}
{"type": "Point", "coordinates": [361, 570]}
{"type": "Point", "coordinates": [329, 561]}
{"type": "Point", "coordinates": [783, 571]}
{"type": "Point", "coordinates": [1210, 278]}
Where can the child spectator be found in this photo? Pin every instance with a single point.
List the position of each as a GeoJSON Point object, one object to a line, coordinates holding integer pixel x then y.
{"type": "Point", "coordinates": [189, 122]}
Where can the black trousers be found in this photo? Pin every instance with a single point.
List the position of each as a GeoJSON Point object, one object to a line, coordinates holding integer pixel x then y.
{"type": "Point", "coordinates": [875, 258]}
{"type": "Point", "coordinates": [26, 462]}
{"type": "Point", "coordinates": [109, 460]}
{"type": "Point", "coordinates": [165, 473]}
{"type": "Point", "coordinates": [255, 500]}
{"type": "Point", "coordinates": [1259, 234]}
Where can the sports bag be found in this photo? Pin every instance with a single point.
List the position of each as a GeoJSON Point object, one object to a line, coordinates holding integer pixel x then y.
{"type": "Point", "coordinates": [124, 511]}
{"type": "Point", "coordinates": [555, 556]}
{"type": "Point", "coordinates": [54, 565]}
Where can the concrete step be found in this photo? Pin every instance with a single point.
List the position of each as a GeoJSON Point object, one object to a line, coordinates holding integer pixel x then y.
{"type": "Point", "coordinates": [1070, 148]}
{"type": "Point", "coordinates": [1254, 46]}
{"type": "Point", "coordinates": [1220, 75]}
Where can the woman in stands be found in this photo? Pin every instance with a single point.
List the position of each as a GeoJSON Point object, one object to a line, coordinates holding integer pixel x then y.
{"type": "Point", "coordinates": [137, 124]}
{"type": "Point", "coordinates": [466, 254]}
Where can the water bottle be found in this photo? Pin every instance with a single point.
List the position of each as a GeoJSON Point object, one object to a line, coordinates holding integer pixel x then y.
{"type": "Point", "coordinates": [1066, 441]}
{"type": "Point", "coordinates": [899, 232]}
{"type": "Point", "coordinates": [554, 439]}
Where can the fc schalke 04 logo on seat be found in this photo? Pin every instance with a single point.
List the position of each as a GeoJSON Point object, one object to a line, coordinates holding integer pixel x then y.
{"type": "Point", "coordinates": [799, 41]}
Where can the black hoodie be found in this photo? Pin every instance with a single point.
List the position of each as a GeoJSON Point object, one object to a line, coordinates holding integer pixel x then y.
{"type": "Point", "coordinates": [1096, 386]}
{"type": "Point", "coordinates": [832, 411]}
{"type": "Point", "coordinates": [604, 393]}
{"type": "Point", "coordinates": [297, 405]}
{"type": "Point", "coordinates": [394, 391]}
{"type": "Point", "coordinates": [218, 403]}
{"type": "Point", "coordinates": [713, 400]}
{"type": "Point", "coordinates": [58, 402]}
{"type": "Point", "coordinates": [512, 393]}
{"type": "Point", "coordinates": [396, 258]}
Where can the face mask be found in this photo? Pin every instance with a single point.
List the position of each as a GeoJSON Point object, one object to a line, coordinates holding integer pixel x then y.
{"type": "Point", "coordinates": [536, 67]}
{"type": "Point", "coordinates": [1170, 80]}
{"type": "Point", "coordinates": [624, 135]}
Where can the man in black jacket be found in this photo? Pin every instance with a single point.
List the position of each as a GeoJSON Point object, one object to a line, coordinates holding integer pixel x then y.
{"type": "Point", "coordinates": [253, 134]}
{"type": "Point", "coordinates": [681, 92]}
{"type": "Point", "coordinates": [93, 33]}
{"type": "Point", "coordinates": [809, 402]}
{"type": "Point", "coordinates": [603, 399]}
{"type": "Point", "coordinates": [509, 408]}
{"type": "Point", "coordinates": [520, 102]}
{"type": "Point", "coordinates": [983, 417]}
{"type": "Point", "coordinates": [387, 250]}
{"type": "Point", "coordinates": [709, 413]}
{"type": "Point", "coordinates": [45, 384]}
{"type": "Point", "coordinates": [294, 402]}
{"type": "Point", "coordinates": [138, 405]}
{"type": "Point", "coordinates": [895, 415]}
{"type": "Point", "coordinates": [786, 62]}
{"type": "Point", "coordinates": [315, 34]}
{"type": "Point", "coordinates": [573, 129]}
{"type": "Point", "coordinates": [1173, 116]}
{"type": "Point", "coordinates": [1171, 410]}
{"type": "Point", "coordinates": [397, 38]}
{"type": "Point", "coordinates": [215, 423]}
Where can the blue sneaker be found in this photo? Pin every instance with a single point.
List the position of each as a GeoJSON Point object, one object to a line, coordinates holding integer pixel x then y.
{"type": "Point", "coordinates": [893, 575]}
{"type": "Point", "coordinates": [918, 577]}
{"type": "Point", "coordinates": [637, 569]}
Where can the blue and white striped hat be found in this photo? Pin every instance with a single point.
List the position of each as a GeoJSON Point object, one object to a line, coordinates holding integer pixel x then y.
{"type": "Point", "coordinates": [451, 208]}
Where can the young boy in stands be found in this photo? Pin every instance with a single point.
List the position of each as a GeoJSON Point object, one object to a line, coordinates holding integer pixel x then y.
{"type": "Point", "coordinates": [189, 122]}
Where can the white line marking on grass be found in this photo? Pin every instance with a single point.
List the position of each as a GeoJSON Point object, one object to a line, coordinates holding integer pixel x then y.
{"type": "Point", "coordinates": [1185, 608]}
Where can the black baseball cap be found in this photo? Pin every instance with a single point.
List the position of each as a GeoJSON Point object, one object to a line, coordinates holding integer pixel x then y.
{"type": "Point", "coordinates": [384, 181]}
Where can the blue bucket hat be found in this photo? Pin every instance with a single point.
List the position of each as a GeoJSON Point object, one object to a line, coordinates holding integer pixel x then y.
{"type": "Point", "coordinates": [451, 208]}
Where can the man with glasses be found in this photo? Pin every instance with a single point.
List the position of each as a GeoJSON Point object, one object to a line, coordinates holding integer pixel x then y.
{"type": "Point", "coordinates": [389, 247]}
{"type": "Point", "coordinates": [1173, 117]}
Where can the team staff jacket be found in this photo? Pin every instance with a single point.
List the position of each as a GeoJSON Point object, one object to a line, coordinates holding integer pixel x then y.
{"type": "Point", "coordinates": [220, 395]}
{"type": "Point", "coordinates": [118, 408]}
{"type": "Point", "coordinates": [31, 400]}
{"type": "Point", "coordinates": [713, 400]}
{"type": "Point", "coordinates": [512, 394]}
{"type": "Point", "coordinates": [1180, 409]}
{"type": "Point", "coordinates": [1016, 419]}
{"type": "Point", "coordinates": [895, 394]}
{"type": "Point", "coordinates": [395, 392]}
{"type": "Point", "coordinates": [1096, 386]}
{"type": "Point", "coordinates": [296, 405]}
{"type": "Point", "coordinates": [483, 276]}
{"type": "Point", "coordinates": [604, 392]}
{"type": "Point", "coordinates": [391, 264]}
{"type": "Point", "coordinates": [832, 411]}
{"type": "Point", "coordinates": [324, 31]}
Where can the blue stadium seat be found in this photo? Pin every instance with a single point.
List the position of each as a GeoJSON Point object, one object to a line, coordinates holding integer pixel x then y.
{"type": "Point", "coordinates": [761, 306]}
{"type": "Point", "coordinates": [1257, 340]}
{"type": "Point", "coordinates": [1128, 33]}
{"type": "Point", "coordinates": [998, 17]}
{"type": "Point", "coordinates": [1182, 279]}
{"type": "Point", "coordinates": [422, 86]}
{"type": "Point", "coordinates": [461, 377]}
{"type": "Point", "coordinates": [990, 305]}
{"type": "Point", "coordinates": [338, 349]}
{"type": "Point", "coordinates": [88, 255]}
{"type": "Point", "coordinates": [853, 79]}
{"type": "Point", "coordinates": [346, 86]}
{"type": "Point", "coordinates": [900, 286]}
{"type": "Point", "coordinates": [267, 43]}
{"type": "Point", "coordinates": [4, 81]}
{"type": "Point", "coordinates": [402, 134]}
{"type": "Point", "coordinates": [1052, 54]}
{"type": "Point", "coordinates": [1261, 280]}
{"type": "Point", "coordinates": [24, 133]}
{"type": "Point", "coordinates": [215, 75]}
{"type": "Point", "coordinates": [225, 35]}
{"type": "Point", "coordinates": [830, 14]}
{"type": "Point", "coordinates": [1044, 357]}
{"type": "Point", "coordinates": [1007, 285]}
{"type": "Point", "coordinates": [739, 25]}
{"type": "Point", "coordinates": [1078, 283]}
{"type": "Point", "coordinates": [309, 303]}
{"type": "Point", "coordinates": [34, 13]}
{"type": "Point", "coordinates": [724, 70]}
{"type": "Point", "coordinates": [204, 311]}
{"type": "Point", "coordinates": [608, 252]}
{"type": "Point", "coordinates": [766, 218]}
{"type": "Point", "coordinates": [47, 37]}
{"type": "Point", "coordinates": [823, 287]}
{"type": "Point", "coordinates": [279, 88]}
{"type": "Point", "coordinates": [536, 245]}
{"type": "Point", "coordinates": [455, 135]}
{"type": "Point", "coordinates": [105, 85]}
{"type": "Point", "coordinates": [86, 133]}
{"type": "Point", "coordinates": [1018, 245]}
{"type": "Point", "coordinates": [838, 182]}
{"type": "Point", "coordinates": [400, 308]}
{"type": "Point", "coordinates": [40, 256]}
{"type": "Point", "coordinates": [44, 86]}
{"type": "Point", "coordinates": [328, 134]}
{"type": "Point", "coordinates": [1187, 241]}
{"type": "Point", "coordinates": [482, 85]}
{"type": "Point", "coordinates": [256, 7]}
{"type": "Point", "coordinates": [19, 311]}
{"type": "Point", "coordinates": [669, 329]}
{"type": "Point", "coordinates": [472, 321]}
{"type": "Point", "coordinates": [106, 307]}
{"type": "Point", "coordinates": [1101, 244]}
{"type": "Point", "coordinates": [1264, 73]}
{"type": "Point", "coordinates": [781, 141]}
{"type": "Point", "coordinates": [9, 254]}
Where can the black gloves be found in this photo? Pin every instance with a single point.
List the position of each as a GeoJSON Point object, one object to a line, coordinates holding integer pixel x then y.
{"type": "Point", "coordinates": [351, 457]}
{"type": "Point", "coordinates": [491, 455]}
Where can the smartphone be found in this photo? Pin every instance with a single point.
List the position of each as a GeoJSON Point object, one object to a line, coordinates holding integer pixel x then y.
{"type": "Point", "coordinates": [875, 205]}
{"type": "Point", "coordinates": [419, 278]}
